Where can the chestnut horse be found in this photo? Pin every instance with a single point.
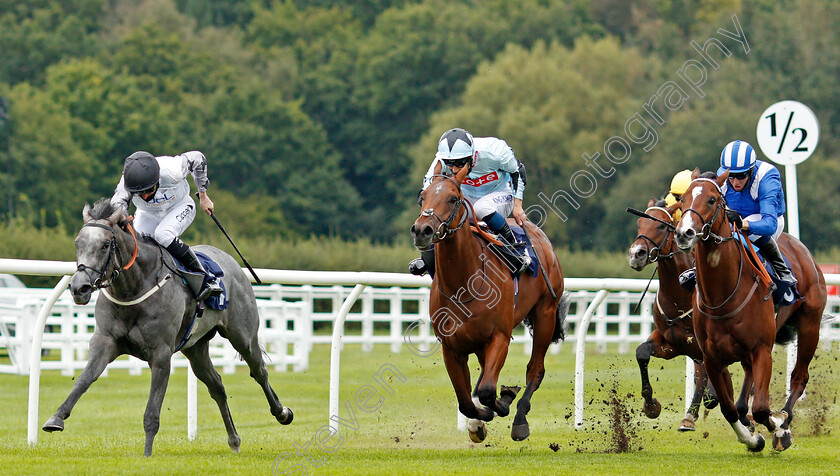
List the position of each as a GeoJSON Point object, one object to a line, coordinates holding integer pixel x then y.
{"type": "Point", "coordinates": [734, 317]}
{"type": "Point", "coordinates": [475, 305]}
{"type": "Point", "coordinates": [673, 333]}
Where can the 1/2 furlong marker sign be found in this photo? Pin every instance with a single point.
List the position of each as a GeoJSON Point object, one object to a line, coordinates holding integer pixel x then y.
{"type": "Point", "coordinates": [787, 133]}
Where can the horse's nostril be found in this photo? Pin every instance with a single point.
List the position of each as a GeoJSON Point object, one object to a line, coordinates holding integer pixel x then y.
{"type": "Point", "coordinates": [427, 231]}
{"type": "Point", "coordinates": [84, 289]}
{"type": "Point", "coordinates": [640, 253]}
{"type": "Point", "coordinates": [689, 233]}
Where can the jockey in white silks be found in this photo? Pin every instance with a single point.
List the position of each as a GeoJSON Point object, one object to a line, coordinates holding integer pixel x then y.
{"type": "Point", "coordinates": [158, 188]}
{"type": "Point", "coordinates": [494, 186]}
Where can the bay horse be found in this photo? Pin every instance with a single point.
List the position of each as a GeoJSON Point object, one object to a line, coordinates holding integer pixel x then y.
{"type": "Point", "coordinates": [673, 333]}
{"type": "Point", "coordinates": [144, 309]}
{"type": "Point", "coordinates": [475, 304]}
{"type": "Point", "coordinates": [734, 315]}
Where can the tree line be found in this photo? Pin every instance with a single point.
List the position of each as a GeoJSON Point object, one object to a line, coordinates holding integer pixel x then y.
{"type": "Point", "coordinates": [318, 118]}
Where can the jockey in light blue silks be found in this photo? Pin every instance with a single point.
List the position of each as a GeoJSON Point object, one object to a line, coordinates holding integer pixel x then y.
{"type": "Point", "coordinates": [494, 186]}
{"type": "Point", "coordinates": [754, 190]}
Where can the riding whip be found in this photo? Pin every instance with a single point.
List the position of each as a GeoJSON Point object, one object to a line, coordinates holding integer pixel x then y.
{"type": "Point", "coordinates": [219, 224]}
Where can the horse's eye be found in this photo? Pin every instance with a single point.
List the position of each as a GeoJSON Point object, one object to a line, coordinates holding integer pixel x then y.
{"type": "Point", "coordinates": [660, 227]}
{"type": "Point", "coordinates": [453, 200]}
{"type": "Point", "coordinates": [105, 246]}
{"type": "Point", "coordinates": [712, 201]}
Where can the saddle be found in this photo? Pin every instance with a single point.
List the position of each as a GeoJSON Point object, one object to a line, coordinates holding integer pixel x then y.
{"type": "Point", "coordinates": [783, 294]}
{"type": "Point", "coordinates": [196, 281]}
{"type": "Point", "coordinates": [507, 253]}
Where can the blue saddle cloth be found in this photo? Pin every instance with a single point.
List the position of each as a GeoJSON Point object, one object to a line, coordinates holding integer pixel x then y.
{"type": "Point", "coordinates": [519, 233]}
{"type": "Point", "coordinates": [219, 302]}
{"type": "Point", "coordinates": [785, 294]}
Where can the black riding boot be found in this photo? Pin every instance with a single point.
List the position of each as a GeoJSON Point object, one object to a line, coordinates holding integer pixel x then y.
{"type": "Point", "coordinates": [187, 257]}
{"type": "Point", "coordinates": [518, 246]}
{"type": "Point", "coordinates": [770, 250]}
{"type": "Point", "coordinates": [426, 262]}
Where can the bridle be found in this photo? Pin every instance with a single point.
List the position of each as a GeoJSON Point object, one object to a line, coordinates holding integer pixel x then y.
{"type": "Point", "coordinates": [113, 253]}
{"type": "Point", "coordinates": [706, 229]}
{"type": "Point", "coordinates": [445, 228]}
{"type": "Point", "coordinates": [709, 234]}
{"type": "Point", "coordinates": [655, 249]}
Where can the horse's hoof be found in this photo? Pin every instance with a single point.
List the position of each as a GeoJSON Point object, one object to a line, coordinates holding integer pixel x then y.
{"type": "Point", "coordinates": [686, 425]}
{"type": "Point", "coordinates": [286, 417]}
{"type": "Point", "coordinates": [782, 440]}
{"type": "Point", "coordinates": [520, 432]}
{"type": "Point", "coordinates": [54, 424]}
{"type": "Point", "coordinates": [507, 394]}
{"type": "Point", "coordinates": [479, 434]}
{"type": "Point", "coordinates": [234, 444]}
{"type": "Point", "coordinates": [759, 446]}
{"type": "Point", "coordinates": [652, 408]}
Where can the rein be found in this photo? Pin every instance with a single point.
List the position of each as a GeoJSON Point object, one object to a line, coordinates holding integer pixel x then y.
{"type": "Point", "coordinates": [655, 250]}
{"type": "Point", "coordinates": [707, 234]}
{"type": "Point", "coordinates": [113, 252]}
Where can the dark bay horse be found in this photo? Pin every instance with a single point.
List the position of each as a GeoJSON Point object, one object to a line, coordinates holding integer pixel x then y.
{"type": "Point", "coordinates": [145, 310]}
{"type": "Point", "coordinates": [475, 305]}
{"type": "Point", "coordinates": [673, 333]}
{"type": "Point", "coordinates": [734, 315]}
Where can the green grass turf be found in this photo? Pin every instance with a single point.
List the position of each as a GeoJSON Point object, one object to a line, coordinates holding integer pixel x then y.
{"type": "Point", "coordinates": [414, 429]}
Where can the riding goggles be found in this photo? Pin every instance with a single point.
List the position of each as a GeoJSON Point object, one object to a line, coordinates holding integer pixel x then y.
{"type": "Point", "coordinates": [462, 162]}
{"type": "Point", "coordinates": [740, 175]}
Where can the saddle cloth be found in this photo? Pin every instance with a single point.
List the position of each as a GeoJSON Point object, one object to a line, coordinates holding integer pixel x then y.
{"type": "Point", "coordinates": [784, 295]}
{"type": "Point", "coordinates": [219, 302]}
{"type": "Point", "coordinates": [533, 268]}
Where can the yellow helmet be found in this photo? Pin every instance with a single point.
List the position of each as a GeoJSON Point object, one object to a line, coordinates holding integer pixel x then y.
{"type": "Point", "coordinates": [680, 182]}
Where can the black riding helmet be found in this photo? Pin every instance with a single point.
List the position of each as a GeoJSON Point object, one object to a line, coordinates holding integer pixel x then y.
{"type": "Point", "coordinates": [141, 172]}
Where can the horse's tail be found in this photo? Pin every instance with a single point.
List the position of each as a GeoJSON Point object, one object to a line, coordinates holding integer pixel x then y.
{"type": "Point", "coordinates": [560, 316]}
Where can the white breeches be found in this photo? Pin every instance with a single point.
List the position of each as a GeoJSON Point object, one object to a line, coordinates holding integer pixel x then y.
{"type": "Point", "coordinates": [500, 202]}
{"type": "Point", "coordinates": [165, 227]}
{"type": "Point", "coordinates": [780, 226]}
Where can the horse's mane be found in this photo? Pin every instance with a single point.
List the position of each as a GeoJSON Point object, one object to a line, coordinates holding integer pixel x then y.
{"type": "Point", "coordinates": [102, 209]}
{"type": "Point", "coordinates": [660, 203]}
{"type": "Point", "coordinates": [709, 175]}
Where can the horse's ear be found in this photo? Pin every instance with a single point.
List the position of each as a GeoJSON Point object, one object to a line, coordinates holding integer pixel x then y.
{"type": "Point", "coordinates": [462, 175]}
{"type": "Point", "coordinates": [652, 202]}
{"type": "Point", "coordinates": [117, 216]}
{"type": "Point", "coordinates": [438, 167]}
{"type": "Point", "coordinates": [86, 213]}
{"type": "Point", "coordinates": [673, 208]}
{"type": "Point", "coordinates": [722, 178]}
{"type": "Point", "coordinates": [695, 173]}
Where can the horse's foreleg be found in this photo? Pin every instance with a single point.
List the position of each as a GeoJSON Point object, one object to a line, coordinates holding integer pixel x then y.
{"type": "Point", "coordinates": [495, 354]}
{"type": "Point", "coordinates": [103, 350]}
{"type": "Point", "coordinates": [655, 346]}
{"type": "Point", "coordinates": [722, 384]}
{"type": "Point", "coordinates": [459, 375]}
{"type": "Point", "coordinates": [160, 365]}
{"type": "Point", "coordinates": [700, 382]}
{"type": "Point", "coordinates": [743, 405]}
{"type": "Point", "coordinates": [202, 366]}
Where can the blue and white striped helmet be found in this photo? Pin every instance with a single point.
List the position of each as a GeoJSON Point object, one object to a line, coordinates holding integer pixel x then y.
{"type": "Point", "coordinates": [737, 156]}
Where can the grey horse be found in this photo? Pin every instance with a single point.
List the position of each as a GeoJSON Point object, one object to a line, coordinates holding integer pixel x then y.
{"type": "Point", "coordinates": [145, 310]}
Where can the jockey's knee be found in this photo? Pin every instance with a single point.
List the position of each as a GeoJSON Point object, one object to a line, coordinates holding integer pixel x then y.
{"type": "Point", "coordinates": [164, 237]}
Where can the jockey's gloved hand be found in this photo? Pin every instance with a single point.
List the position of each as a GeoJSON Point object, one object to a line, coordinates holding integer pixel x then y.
{"type": "Point", "coordinates": [734, 217]}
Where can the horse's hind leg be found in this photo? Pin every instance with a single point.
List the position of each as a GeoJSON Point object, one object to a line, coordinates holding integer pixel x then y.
{"type": "Point", "coordinates": [544, 322]}
{"type": "Point", "coordinates": [250, 350]}
{"type": "Point", "coordinates": [202, 366]}
{"type": "Point", "coordinates": [806, 347]}
{"type": "Point", "coordinates": [103, 350]}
